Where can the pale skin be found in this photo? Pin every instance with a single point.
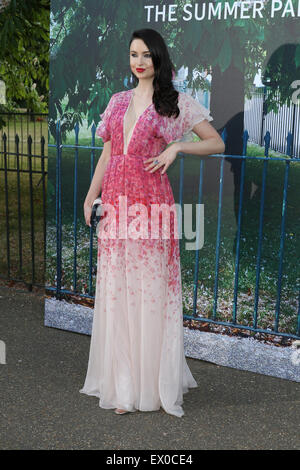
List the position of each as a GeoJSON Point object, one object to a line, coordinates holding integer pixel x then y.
{"type": "Point", "coordinates": [211, 142]}
{"type": "Point", "coordinates": [96, 181]}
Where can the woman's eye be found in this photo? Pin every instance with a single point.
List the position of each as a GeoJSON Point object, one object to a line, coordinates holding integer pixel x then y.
{"type": "Point", "coordinates": [146, 55]}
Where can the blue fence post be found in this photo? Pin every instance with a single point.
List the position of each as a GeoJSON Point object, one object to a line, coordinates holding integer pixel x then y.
{"type": "Point", "coordinates": [44, 190]}
{"type": "Point", "coordinates": [237, 255]}
{"type": "Point", "coordinates": [282, 236]}
{"type": "Point", "coordinates": [196, 271]}
{"type": "Point", "coordinates": [29, 151]}
{"type": "Point", "coordinates": [76, 130]}
{"type": "Point", "coordinates": [58, 211]}
{"type": "Point", "coordinates": [245, 141]}
{"type": "Point", "coordinates": [218, 239]}
{"type": "Point", "coordinates": [17, 142]}
{"type": "Point", "coordinates": [260, 231]}
{"type": "Point", "coordinates": [6, 203]}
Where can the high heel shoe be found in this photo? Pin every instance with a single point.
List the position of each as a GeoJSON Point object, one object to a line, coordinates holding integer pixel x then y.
{"type": "Point", "coordinates": [119, 412]}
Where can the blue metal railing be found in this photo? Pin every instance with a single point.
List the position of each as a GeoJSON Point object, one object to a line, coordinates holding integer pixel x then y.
{"type": "Point", "coordinates": [21, 252]}
{"type": "Point", "coordinates": [58, 291]}
{"type": "Point", "coordinates": [234, 323]}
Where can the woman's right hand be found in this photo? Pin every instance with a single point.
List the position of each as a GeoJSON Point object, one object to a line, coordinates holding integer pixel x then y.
{"type": "Point", "coordinates": [87, 208]}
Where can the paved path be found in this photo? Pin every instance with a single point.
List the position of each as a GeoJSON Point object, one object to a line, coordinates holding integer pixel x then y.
{"type": "Point", "coordinates": [41, 407]}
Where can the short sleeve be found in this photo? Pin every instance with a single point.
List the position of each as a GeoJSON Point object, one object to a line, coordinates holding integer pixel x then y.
{"type": "Point", "coordinates": [191, 113]}
{"type": "Point", "coordinates": [103, 130]}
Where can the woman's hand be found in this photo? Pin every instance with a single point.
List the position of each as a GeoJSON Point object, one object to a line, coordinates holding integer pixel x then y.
{"type": "Point", "coordinates": [87, 208]}
{"type": "Point", "coordinates": [164, 159]}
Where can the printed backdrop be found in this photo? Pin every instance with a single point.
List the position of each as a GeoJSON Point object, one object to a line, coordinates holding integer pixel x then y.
{"type": "Point", "coordinates": [242, 61]}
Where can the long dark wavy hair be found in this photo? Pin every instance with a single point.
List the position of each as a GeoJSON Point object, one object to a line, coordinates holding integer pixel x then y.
{"type": "Point", "coordinates": [165, 96]}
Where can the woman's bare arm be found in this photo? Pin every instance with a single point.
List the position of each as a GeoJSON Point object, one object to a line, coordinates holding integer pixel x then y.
{"type": "Point", "coordinates": [96, 183]}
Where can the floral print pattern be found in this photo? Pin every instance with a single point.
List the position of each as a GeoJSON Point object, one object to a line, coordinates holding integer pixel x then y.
{"type": "Point", "coordinates": [136, 359]}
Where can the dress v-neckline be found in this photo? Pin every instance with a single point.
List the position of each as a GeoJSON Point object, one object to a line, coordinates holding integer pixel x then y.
{"type": "Point", "coordinates": [135, 124]}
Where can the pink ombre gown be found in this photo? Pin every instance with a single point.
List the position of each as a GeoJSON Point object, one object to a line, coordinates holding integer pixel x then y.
{"type": "Point", "coordinates": [136, 359]}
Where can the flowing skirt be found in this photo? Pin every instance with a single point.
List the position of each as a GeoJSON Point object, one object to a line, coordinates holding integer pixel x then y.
{"type": "Point", "coordinates": [136, 358]}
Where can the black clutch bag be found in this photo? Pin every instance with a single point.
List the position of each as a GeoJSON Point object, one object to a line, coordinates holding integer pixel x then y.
{"type": "Point", "coordinates": [96, 212]}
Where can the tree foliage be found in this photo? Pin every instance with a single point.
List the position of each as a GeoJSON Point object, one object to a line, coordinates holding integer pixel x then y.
{"type": "Point", "coordinates": [24, 53]}
{"type": "Point", "coordinates": [90, 53]}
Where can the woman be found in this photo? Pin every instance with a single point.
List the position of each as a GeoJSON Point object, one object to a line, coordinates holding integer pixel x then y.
{"type": "Point", "coordinates": [136, 359]}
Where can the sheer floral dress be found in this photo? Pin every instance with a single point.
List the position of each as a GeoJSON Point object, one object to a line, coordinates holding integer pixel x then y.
{"type": "Point", "coordinates": [136, 358]}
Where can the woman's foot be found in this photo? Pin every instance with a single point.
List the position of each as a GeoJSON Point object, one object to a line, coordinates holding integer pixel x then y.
{"type": "Point", "coordinates": [119, 411]}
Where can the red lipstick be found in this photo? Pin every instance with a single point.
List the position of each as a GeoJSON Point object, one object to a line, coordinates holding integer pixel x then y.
{"type": "Point", "coordinates": [140, 70]}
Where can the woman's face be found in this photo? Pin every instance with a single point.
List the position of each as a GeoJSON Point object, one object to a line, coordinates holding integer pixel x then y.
{"type": "Point", "coordinates": [140, 60]}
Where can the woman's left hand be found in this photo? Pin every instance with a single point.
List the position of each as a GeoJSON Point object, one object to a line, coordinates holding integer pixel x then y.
{"type": "Point", "coordinates": [164, 159]}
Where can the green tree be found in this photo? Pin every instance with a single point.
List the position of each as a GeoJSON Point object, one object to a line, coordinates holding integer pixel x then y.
{"type": "Point", "coordinates": [24, 53]}
{"type": "Point", "coordinates": [89, 56]}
